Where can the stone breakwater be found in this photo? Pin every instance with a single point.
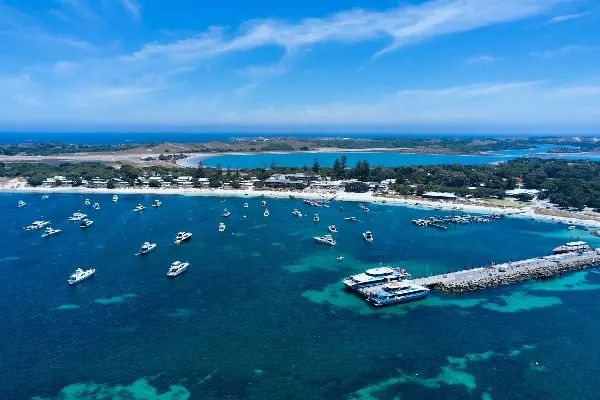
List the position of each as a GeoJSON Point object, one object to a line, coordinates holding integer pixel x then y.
{"type": "Point", "coordinates": [507, 274]}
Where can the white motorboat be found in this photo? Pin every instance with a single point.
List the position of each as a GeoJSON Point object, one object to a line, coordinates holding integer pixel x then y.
{"type": "Point", "coordinates": [266, 213]}
{"type": "Point", "coordinates": [316, 218]}
{"type": "Point", "coordinates": [115, 198]}
{"type": "Point", "coordinates": [572, 227]}
{"type": "Point", "coordinates": [365, 209]}
{"type": "Point", "coordinates": [263, 203]}
{"type": "Point", "coordinates": [80, 275]}
{"type": "Point", "coordinates": [332, 229]}
{"type": "Point", "coordinates": [177, 268]}
{"type": "Point", "coordinates": [35, 225]}
{"type": "Point", "coordinates": [340, 258]}
{"type": "Point", "coordinates": [327, 239]}
{"type": "Point", "coordinates": [21, 203]}
{"type": "Point", "coordinates": [50, 232]}
{"type": "Point", "coordinates": [221, 227]}
{"type": "Point", "coordinates": [182, 237]}
{"type": "Point", "coordinates": [147, 247]}
{"type": "Point", "coordinates": [44, 197]}
{"type": "Point", "coordinates": [353, 219]}
{"type": "Point", "coordinates": [157, 203]}
{"type": "Point", "coordinates": [96, 206]}
{"type": "Point", "coordinates": [77, 216]}
{"type": "Point", "coordinates": [85, 223]}
{"type": "Point", "coordinates": [226, 213]}
{"type": "Point", "coordinates": [297, 213]}
{"type": "Point", "coordinates": [139, 208]}
{"type": "Point", "coordinates": [368, 236]}
{"type": "Point", "coordinates": [245, 205]}
{"type": "Point", "coordinates": [87, 202]}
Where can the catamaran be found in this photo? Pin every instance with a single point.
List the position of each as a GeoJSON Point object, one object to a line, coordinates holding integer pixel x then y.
{"type": "Point", "coordinates": [375, 276]}
{"type": "Point", "coordinates": [395, 292]}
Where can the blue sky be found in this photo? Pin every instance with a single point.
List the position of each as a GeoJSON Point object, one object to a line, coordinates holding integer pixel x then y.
{"type": "Point", "coordinates": [400, 66]}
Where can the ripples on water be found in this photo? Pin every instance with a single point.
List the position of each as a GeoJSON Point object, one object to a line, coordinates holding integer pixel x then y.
{"type": "Point", "coordinates": [260, 313]}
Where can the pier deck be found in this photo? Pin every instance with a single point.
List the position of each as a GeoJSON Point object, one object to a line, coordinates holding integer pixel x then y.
{"type": "Point", "coordinates": [511, 272]}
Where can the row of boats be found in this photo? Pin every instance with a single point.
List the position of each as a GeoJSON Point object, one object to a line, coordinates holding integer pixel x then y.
{"type": "Point", "coordinates": [329, 240]}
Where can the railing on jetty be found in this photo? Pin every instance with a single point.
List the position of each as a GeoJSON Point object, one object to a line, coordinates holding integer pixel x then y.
{"type": "Point", "coordinates": [511, 272]}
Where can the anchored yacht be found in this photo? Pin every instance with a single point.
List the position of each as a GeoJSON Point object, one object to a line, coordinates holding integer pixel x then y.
{"type": "Point", "coordinates": [263, 203]}
{"type": "Point", "coordinates": [332, 229]}
{"type": "Point", "coordinates": [395, 292]}
{"type": "Point", "coordinates": [365, 209]}
{"type": "Point", "coordinates": [44, 197]}
{"type": "Point", "coordinates": [182, 237]}
{"type": "Point", "coordinates": [77, 217]}
{"type": "Point", "coordinates": [266, 213]}
{"type": "Point", "coordinates": [177, 268]}
{"type": "Point", "coordinates": [86, 223]}
{"type": "Point", "coordinates": [316, 218]}
{"type": "Point", "coordinates": [221, 227]}
{"type": "Point", "coordinates": [368, 236]}
{"type": "Point", "coordinates": [139, 208]}
{"type": "Point", "coordinates": [157, 203]}
{"type": "Point", "coordinates": [245, 205]}
{"type": "Point", "coordinates": [115, 198]}
{"type": "Point", "coordinates": [327, 239]}
{"type": "Point", "coordinates": [80, 275]}
{"type": "Point", "coordinates": [21, 203]}
{"type": "Point", "coordinates": [50, 232]}
{"type": "Point", "coordinates": [297, 213]}
{"type": "Point", "coordinates": [147, 247]}
{"type": "Point", "coordinates": [375, 276]}
{"type": "Point", "coordinates": [96, 206]}
{"type": "Point", "coordinates": [354, 219]}
{"type": "Point", "coordinates": [35, 225]}
{"type": "Point", "coordinates": [226, 213]}
{"type": "Point", "coordinates": [87, 202]}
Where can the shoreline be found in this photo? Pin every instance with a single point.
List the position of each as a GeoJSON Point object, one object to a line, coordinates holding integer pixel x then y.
{"type": "Point", "coordinates": [528, 212]}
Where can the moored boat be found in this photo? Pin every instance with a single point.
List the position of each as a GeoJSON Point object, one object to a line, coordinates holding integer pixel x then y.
{"type": "Point", "coordinates": [375, 276]}
{"type": "Point", "coordinates": [226, 213]}
{"type": "Point", "coordinates": [316, 218]}
{"type": "Point", "coordinates": [266, 213]}
{"type": "Point", "coordinates": [80, 275]}
{"type": "Point", "coordinates": [147, 247]}
{"type": "Point", "coordinates": [395, 292]}
{"type": "Point", "coordinates": [353, 219]}
{"type": "Point", "coordinates": [245, 205]}
{"type": "Point", "coordinates": [86, 223]}
{"type": "Point", "coordinates": [21, 203]}
{"type": "Point", "coordinates": [139, 208]}
{"type": "Point", "coordinates": [327, 239]}
{"type": "Point", "coordinates": [221, 227]}
{"type": "Point", "coordinates": [87, 202]}
{"type": "Point", "coordinates": [182, 237]}
{"type": "Point", "coordinates": [115, 198]}
{"type": "Point", "coordinates": [332, 228]}
{"type": "Point", "coordinates": [44, 197]}
{"type": "Point", "coordinates": [368, 236]}
{"type": "Point", "coordinates": [50, 232]}
{"type": "Point", "coordinates": [177, 268]}
{"type": "Point", "coordinates": [77, 216]}
{"type": "Point", "coordinates": [297, 213]}
{"type": "Point", "coordinates": [157, 203]}
{"type": "Point", "coordinates": [35, 225]}
{"type": "Point", "coordinates": [263, 203]}
{"type": "Point", "coordinates": [96, 206]}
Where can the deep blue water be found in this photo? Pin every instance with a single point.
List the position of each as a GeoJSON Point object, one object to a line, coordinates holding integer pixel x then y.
{"type": "Point", "coordinates": [260, 313]}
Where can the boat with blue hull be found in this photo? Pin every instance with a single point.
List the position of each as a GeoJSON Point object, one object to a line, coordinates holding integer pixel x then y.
{"type": "Point", "coordinates": [394, 292]}
{"type": "Point", "coordinates": [375, 277]}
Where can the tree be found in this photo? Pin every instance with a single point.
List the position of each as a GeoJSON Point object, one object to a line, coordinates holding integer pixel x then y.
{"type": "Point", "coordinates": [524, 197]}
{"type": "Point", "coordinates": [57, 183]}
{"type": "Point", "coordinates": [219, 169]}
{"type": "Point", "coordinates": [199, 173]}
{"type": "Point", "coordinates": [35, 180]}
{"type": "Point", "coordinates": [111, 184]}
{"type": "Point", "coordinates": [215, 183]}
{"type": "Point", "coordinates": [259, 184]}
{"type": "Point", "coordinates": [362, 170]}
{"type": "Point", "coordinates": [273, 165]}
{"type": "Point", "coordinates": [235, 184]}
{"type": "Point", "coordinates": [356, 187]}
{"type": "Point", "coordinates": [155, 183]}
{"type": "Point", "coordinates": [337, 171]}
{"type": "Point", "coordinates": [316, 165]}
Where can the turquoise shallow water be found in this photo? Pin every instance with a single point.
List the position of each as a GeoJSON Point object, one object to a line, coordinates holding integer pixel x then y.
{"type": "Point", "coordinates": [260, 313]}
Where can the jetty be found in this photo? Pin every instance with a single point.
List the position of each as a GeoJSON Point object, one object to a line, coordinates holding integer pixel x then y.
{"type": "Point", "coordinates": [496, 275]}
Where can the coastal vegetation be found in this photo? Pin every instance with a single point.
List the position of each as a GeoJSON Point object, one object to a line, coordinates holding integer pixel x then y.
{"type": "Point", "coordinates": [568, 184]}
{"type": "Point", "coordinates": [51, 148]}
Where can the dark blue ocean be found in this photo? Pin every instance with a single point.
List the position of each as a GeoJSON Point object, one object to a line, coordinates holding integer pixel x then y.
{"type": "Point", "coordinates": [260, 313]}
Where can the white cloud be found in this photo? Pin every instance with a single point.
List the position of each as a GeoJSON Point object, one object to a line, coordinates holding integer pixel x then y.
{"type": "Point", "coordinates": [566, 17]}
{"type": "Point", "coordinates": [133, 7]}
{"type": "Point", "coordinates": [403, 25]}
{"type": "Point", "coordinates": [483, 59]}
{"type": "Point", "coordinates": [573, 48]}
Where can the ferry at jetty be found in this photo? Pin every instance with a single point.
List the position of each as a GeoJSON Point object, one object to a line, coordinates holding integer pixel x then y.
{"type": "Point", "coordinates": [80, 275]}
{"type": "Point", "coordinates": [572, 247]}
{"type": "Point", "coordinates": [375, 276]}
{"type": "Point", "coordinates": [395, 292]}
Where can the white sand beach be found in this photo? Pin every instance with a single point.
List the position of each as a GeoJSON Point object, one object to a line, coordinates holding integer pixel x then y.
{"type": "Point", "coordinates": [20, 185]}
